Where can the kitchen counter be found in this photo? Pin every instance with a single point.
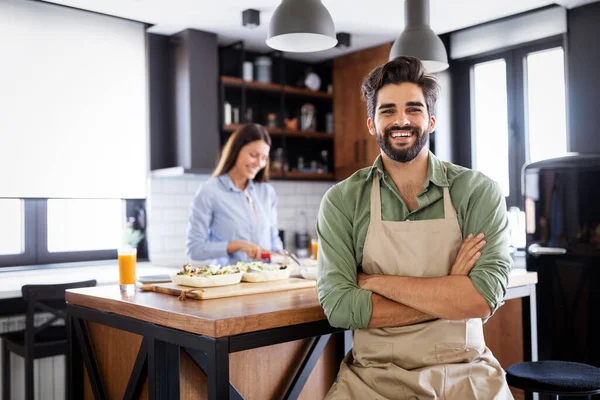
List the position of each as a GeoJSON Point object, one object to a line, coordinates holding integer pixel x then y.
{"type": "Point", "coordinates": [276, 345]}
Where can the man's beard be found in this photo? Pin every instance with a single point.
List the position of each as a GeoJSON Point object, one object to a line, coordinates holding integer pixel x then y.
{"type": "Point", "coordinates": [402, 155]}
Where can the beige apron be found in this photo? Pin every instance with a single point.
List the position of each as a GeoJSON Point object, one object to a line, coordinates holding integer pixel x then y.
{"type": "Point", "coordinates": [440, 359]}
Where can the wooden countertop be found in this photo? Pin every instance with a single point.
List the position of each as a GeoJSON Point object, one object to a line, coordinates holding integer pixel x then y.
{"type": "Point", "coordinates": [221, 317]}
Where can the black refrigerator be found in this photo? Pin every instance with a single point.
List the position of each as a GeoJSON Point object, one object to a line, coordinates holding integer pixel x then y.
{"type": "Point", "coordinates": [562, 210]}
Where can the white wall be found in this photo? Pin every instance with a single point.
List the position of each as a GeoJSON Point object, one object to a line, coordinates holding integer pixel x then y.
{"type": "Point", "coordinates": [443, 131]}
{"type": "Point", "coordinates": [170, 198]}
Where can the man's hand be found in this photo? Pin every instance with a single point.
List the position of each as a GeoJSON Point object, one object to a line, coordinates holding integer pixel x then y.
{"type": "Point", "coordinates": [362, 280]}
{"type": "Point", "coordinates": [467, 255]}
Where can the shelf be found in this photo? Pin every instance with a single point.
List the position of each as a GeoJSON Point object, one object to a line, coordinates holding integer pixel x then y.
{"type": "Point", "coordinates": [279, 131]}
{"type": "Point", "coordinates": [295, 175]}
{"type": "Point", "coordinates": [273, 87]}
{"type": "Point", "coordinates": [313, 135]}
{"type": "Point", "coordinates": [306, 92]}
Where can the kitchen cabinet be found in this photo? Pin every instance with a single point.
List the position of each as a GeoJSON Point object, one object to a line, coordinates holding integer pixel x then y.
{"type": "Point", "coordinates": [355, 148]}
{"type": "Point", "coordinates": [183, 101]}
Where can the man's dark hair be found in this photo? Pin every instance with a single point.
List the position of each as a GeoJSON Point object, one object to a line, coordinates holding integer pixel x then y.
{"type": "Point", "coordinates": [399, 70]}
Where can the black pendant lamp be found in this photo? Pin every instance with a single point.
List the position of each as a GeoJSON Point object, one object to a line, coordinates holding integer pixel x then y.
{"type": "Point", "coordinates": [301, 26]}
{"type": "Point", "coordinates": [418, 39]}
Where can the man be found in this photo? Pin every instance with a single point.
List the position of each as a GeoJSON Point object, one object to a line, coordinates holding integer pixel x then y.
{"type": "Point", "coordinates": [414, 225]}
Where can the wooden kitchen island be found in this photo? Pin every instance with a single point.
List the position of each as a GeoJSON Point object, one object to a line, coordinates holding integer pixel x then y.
{"type": "Point", "coordinates": [264, 346]}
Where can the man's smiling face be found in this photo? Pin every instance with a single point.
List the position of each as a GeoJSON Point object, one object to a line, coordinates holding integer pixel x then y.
{"type": "Point", "coordinates": [401, 122]}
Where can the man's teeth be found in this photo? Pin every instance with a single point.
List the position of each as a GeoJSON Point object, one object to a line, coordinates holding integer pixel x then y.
{"type": "Point", "coordinates": [401, 134]}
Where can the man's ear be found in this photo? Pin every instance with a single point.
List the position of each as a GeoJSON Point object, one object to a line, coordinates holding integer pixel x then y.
{"type": "Point", "coordinates": [371, 126]}
{"type": "Point", "coordinates": [432, 123]}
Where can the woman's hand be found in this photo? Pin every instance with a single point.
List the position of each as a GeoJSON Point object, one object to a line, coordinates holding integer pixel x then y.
{"type": "Point", "coordinates": [467, 255]}
{"type": "Point", "coordinates": [253, 251]}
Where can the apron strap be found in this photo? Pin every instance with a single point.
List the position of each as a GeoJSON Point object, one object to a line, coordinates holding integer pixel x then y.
{"type": "Point", "coordinates": [449, 211]}
{"type": "Point", "coordinates": [376, 199]}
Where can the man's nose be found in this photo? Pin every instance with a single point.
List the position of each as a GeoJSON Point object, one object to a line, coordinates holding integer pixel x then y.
{"type": "Point", "coordinates": [402, 119]}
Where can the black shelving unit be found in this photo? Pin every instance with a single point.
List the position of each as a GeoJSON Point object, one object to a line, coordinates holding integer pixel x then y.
{"type": "Point", "coordinates": [283, 97]}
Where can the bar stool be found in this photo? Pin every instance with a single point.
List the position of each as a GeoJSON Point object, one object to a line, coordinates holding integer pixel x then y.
{"type": "Point", "coordinates": [41, 341]}
{"type": "Point", "coordinates": [556, 378]}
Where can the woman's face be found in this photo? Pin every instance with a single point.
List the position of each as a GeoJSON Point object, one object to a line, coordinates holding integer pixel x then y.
{"type": "Point", "coordinates": [253, 157]}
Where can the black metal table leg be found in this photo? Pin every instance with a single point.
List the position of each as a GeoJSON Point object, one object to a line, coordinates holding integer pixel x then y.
{"type": "Point", "coordinates": [163, 370]}
{"type": "Point", "coordinates": [306, 367]}
{"type": "Point", "coordinates": [218, 370]}
{"type": "Point", "coordinates": [74, 376]}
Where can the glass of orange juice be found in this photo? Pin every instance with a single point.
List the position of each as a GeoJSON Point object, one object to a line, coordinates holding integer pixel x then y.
{"type": "Point", "coordinates": [314, 245]}
{"type": "Point", "coordinates": [127, 261]}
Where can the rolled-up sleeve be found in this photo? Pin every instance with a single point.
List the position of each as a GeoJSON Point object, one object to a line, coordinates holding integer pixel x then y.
{"type": "Point", "coordinates": [486, 212]}
{"type": "Point", "coordinates": [198, 246]}
{"type": "Point", "coordinates": [345, 304]}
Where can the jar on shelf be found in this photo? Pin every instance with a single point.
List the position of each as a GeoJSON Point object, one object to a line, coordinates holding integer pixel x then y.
{"type": "Point", "coordinates": [263, 69]}
{"type": "Point", "coordinates": [272, 120]}
{"type": "Point", "coordinates": [277, 162]}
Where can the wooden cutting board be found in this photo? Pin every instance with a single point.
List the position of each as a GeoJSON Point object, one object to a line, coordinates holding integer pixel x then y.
{"type": "Point", "coordinates": [240, 289]}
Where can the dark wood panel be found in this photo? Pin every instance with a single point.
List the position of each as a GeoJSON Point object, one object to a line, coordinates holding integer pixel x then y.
{"type": "Point", "coordinates": [115, 352]}
{"type": "Point", "coordinates": [271, 87]}
{"type": "Point", "coordinates": [286, 132]}
{"type": "Point", "coordinates": [357, 149]}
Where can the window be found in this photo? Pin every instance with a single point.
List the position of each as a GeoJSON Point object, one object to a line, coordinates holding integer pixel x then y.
{"type": "Point", "coordinates": [80, 225]}
{"type": "Point", "coordinates": [490, 123]}
{"type": "Point", "coordinates": [546, 114]}
{"type": "Point", "coordinates": [12, 219]}
{"type": "Point", "coordinates": [46, 231]}
{"type": "Point", "coordinates": [510, 109]}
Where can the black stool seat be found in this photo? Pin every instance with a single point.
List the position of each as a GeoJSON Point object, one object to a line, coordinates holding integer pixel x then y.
{"type": "Point", "coordinates": [555, 377]}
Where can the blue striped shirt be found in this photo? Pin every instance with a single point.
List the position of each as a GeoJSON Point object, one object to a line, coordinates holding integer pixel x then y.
{"type": "Point", "coordinates": [221, 213]}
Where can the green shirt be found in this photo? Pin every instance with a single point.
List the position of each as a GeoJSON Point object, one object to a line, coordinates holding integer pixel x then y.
{"type": "Point", "coordinates": [344, 217]}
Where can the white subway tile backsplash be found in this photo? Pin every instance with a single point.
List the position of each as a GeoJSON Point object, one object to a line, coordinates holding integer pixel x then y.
{"type": "Point", "coordinates": [156, 186]}
{"type": "Point", "coordinates": [175, 242]}
{"type": "Point", "coordinates": [163, 200]}
{"type": "Point", "coordinates": [155, 213]}
{"type": "Point", "coordinates": [176, 185]}
{"type": "Point", "coordinates": [184, 200]}
{"type": "Point", "coordinates": [285, 213]}
{"type": "Point", "coordinates": [194, 184]}
{"type": "Point", "coordinates": [175, 214]}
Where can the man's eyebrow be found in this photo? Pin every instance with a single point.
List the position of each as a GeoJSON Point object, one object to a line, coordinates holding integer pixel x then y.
{"type": "Point", "coordinates": [387, 105]}
{"type": "Point", "coordinates": [414, 104]}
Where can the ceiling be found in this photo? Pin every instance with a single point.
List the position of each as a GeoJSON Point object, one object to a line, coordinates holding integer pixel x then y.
{"type": "Point", "coordinates": [370, 22]}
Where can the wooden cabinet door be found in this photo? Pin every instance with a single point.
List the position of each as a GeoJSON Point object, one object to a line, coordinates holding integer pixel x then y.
{"type": "Point", "coordinates": [355, 148]}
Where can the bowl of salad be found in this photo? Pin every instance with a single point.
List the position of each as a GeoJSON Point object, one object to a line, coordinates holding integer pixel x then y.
{"type": "Point", "coordinates": [262, 272]}
{"type": "Point", "coordinates": [207, 276]}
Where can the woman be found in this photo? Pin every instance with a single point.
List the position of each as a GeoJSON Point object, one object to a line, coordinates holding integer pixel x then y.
{"type": "Point", "coordinates": [233, 216]}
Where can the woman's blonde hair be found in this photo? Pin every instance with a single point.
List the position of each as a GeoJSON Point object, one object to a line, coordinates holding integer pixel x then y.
{"type": "Point", "coordinates": [244, 135]}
